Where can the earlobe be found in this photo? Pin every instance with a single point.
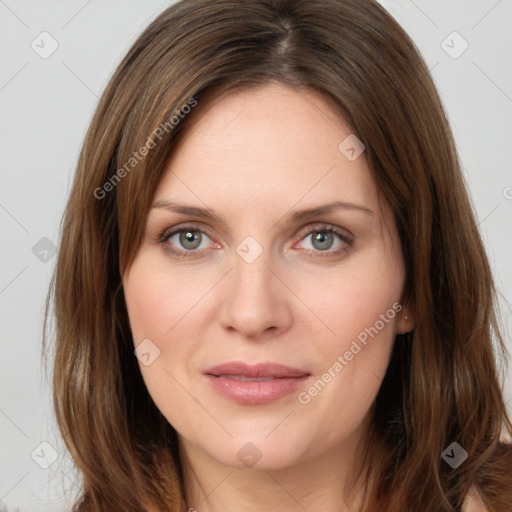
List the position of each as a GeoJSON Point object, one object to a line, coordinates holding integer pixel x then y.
{"type": "Point", "coordinates": [406, 322]}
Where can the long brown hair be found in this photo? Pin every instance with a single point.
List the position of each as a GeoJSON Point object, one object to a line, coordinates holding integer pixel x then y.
{"type": "Point", "coordinates": [442, 384]}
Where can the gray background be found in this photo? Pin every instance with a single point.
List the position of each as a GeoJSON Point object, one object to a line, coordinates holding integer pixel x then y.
{"type": "Point", "coordinates": [46, 105]}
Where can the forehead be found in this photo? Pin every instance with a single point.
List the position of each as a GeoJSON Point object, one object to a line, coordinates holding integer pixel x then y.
{"type": "Point", "coordinates": [270, 144]}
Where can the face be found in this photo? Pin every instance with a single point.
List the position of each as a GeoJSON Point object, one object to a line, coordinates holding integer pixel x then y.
{"type": "Point", "coordinates": [238, 269]}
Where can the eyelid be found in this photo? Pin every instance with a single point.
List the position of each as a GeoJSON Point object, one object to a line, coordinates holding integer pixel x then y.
{"type": "Point", "coordinates": [346, 236]}
{"type": "Point", "coordinates": [343, 233]}
{"type": "Point", "coordinates": [305, 230]}
{"type": "Point", "coordinates": [168, 232]}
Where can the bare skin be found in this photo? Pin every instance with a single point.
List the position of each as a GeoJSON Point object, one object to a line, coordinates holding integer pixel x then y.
{"type": "Point", "coordinates": [254, 158]}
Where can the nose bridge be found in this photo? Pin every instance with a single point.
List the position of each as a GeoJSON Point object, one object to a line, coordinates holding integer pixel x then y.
{"type": "Point", "coordinates": [253, 301]}
{"type": "Point", "coordinates": [252, 275]}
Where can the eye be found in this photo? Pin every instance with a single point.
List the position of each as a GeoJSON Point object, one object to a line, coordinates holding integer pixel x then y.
{"type": "Point", "coordinates": [190, 241]}
{"type": "Point", "coordinates": [184, 241]}
{"type": "Point", "coordinates": [327, 239]}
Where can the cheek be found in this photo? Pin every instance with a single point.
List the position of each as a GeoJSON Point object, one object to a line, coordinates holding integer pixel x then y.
{"type": "Point", "coordinates": [165, 304]}
{"type": "Point", "coordinates": [360, 306]}
{"type": "Point", "coordinates": [355, 297]}
{"type": "Point", "coordinates": [158, 297]}
{"type": "Point", "coordinates": [160, 302]}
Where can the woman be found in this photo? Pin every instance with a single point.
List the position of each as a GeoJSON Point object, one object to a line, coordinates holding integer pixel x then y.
{"type": "Point", "coordinates": [271, 290]}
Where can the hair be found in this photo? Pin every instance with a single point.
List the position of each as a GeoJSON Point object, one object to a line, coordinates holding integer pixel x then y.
{"type": "Point", "coordinates": [443, 382]}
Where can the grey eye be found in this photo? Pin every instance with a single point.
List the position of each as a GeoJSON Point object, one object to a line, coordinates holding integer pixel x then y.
{"type": "Point", "coordinates": [190, 239]}
{"type": "Point", "coordinates": [322, 240]}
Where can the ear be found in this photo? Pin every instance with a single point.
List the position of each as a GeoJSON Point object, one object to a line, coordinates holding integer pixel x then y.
{"type": "Point", "coordinates": [406, 321]}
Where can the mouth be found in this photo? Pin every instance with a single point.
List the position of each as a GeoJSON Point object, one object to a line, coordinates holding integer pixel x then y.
{"type": "Point", "coordinates": [244, 378]}
{"type": "Point", "coordinates": [255, 371]}
{"type": "Point", "coordinates": [255, 384]}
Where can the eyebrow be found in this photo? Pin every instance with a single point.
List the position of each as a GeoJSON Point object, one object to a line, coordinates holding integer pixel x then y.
{"type": "Point", "coordinates": [295, 216]}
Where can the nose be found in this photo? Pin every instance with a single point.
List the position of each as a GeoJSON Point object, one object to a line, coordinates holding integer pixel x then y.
{"type": "Point", "coordinates": [255, 302]}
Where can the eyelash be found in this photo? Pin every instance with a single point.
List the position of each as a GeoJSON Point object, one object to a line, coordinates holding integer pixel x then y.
{"type": "Point", "coordinates": [163, 237]}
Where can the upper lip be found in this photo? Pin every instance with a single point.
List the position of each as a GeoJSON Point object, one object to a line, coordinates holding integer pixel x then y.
{"type": "Point", "coordinates": [255, 370]}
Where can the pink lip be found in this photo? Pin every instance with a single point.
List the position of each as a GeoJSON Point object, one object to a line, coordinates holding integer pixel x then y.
{"type": "Point", "coordinates": [284, 380]}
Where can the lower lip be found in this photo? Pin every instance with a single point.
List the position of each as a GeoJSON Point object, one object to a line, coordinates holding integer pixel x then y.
{"type": "Point", "coordinates": [256, 392]}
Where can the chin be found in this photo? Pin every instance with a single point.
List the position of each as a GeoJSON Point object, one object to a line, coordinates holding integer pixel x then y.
{"type": "Point", "coordinates": [257, 452]}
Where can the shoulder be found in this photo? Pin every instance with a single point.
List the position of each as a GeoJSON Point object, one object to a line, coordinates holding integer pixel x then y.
{"type": "Point", "coordinates": [473, 502]}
